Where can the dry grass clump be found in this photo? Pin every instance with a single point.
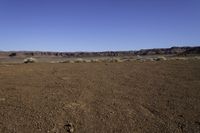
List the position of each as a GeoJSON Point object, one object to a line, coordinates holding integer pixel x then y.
{"type": "Point", "coordinates": [141, 59]}
{"type": "Point", "coordinates": [87, 61]}
{"type": "Point", "coordinates": [151, 59]}
{"type": "Point", "coordinates": [79, 60]}
{"type": "Point", "coordinates": [66, 61]}
{"type": "Point", "coordinates": [30, 60]}
{"type": "Point", "coordinates": [96, 60]}
{"type": "Point", "coordinates": [71, 61]}
{"type": "Point", "coordinates": [197, 57]}
{"type": "Point", "coordinates": [179, 58]}
{"type": "Point", "coordinates": [146, 58]}
{"type": "Point", "coordinates": [160, 58]}
{"type": "Point", "coordinates": [55, 62]}
{"type": "Point", "coordinates": [116, 60]}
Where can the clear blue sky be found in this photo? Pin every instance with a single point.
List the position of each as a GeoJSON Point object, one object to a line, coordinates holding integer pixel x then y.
{"type": "Point", "coordinates": [98, 25]}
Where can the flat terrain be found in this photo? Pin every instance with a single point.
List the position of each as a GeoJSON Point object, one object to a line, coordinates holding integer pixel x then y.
{"type": "Point", "coordinates": [125, 97]}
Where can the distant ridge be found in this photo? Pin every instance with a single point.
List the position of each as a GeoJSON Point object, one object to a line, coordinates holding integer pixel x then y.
{"type": "Point", "coordinates": [156, 51]}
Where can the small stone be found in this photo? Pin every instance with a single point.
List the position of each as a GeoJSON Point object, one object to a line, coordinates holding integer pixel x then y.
{"type": "Point", "coordinates": [2, 99]}
{"type": "Point", "coordinates": [69, 128]}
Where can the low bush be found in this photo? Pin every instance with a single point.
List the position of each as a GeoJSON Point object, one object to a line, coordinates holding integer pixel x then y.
{"type": "Point", "coordinates": [30, 60]}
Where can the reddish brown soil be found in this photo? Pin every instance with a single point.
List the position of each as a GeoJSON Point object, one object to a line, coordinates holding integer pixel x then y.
{"type": "Point", "coordinates": [124, 97]}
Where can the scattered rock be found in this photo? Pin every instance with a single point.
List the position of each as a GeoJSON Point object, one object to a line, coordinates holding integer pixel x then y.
{"type": "Point", "coordinates": [69, 128]}
{"type": "Point", "coordinates": [197, 122]}
{"type": "Point", "coordinates": [2, 99]}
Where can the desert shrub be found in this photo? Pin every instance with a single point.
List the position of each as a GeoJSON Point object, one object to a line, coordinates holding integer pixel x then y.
{"type": "Point", "coordinates": [115, 60]}
{"type": "Point", "coordinates": [160, 58]}
{"type": "Point", "coordinates": [197, 57]}
{"type": "Point", "coordinates": [104, 60]}
{"type": "Point", "coordinates": [30, 60]}
{"type": "Point", "coordinates": [79, 60]}
{"type": "Point", "coordinates": [140, 58]}
{"type": "Point", "coordinates": [151, 59]}
{"type": "Point", "coordinates": [55, 62]}
{"type": "Point", "coordinates": [71, 61]}
{"type": "Point", "coordinates": [87, 61]}
{"type": "Point", "coordinates": [65, 61]}
{"type": "Point", "coordinates": [179, 58]}
{"type": "Point", "coordinates": [12, 54]}
{"type": "Point", "coordinates": [95, 60]}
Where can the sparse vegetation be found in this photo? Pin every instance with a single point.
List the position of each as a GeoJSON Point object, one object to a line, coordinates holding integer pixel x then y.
{"type": "Point", "coordinates": [79, 60]}
{"type": "Point", "coordinates": [160, 58]}
{"type": "Point", "coordinates": [30, 60]}
{"type": "Point", "coordinates": [12, 54]}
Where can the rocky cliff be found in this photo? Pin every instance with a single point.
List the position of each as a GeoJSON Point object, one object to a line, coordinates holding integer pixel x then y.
{"type": "Point", "coordinates": [158, 51]}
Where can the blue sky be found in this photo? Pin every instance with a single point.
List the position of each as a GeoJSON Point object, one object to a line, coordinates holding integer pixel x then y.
{"type": "Point", "coordinates": [98, 25]}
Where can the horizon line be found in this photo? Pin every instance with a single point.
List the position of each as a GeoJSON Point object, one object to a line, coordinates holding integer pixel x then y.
{"type": "Point", "coordinates": [96, 51]}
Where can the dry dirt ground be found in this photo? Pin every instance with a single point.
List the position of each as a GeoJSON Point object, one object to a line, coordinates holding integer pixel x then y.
{"type": "Point", "coordinates": [128, 97]}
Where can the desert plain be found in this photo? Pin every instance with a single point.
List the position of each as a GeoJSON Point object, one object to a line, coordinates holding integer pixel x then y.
{"type": "Point", "coordinates": [104, 97]}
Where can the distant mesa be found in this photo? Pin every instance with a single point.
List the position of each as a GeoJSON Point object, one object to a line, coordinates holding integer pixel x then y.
{"type": "Point", "coordinates": [180, 51]}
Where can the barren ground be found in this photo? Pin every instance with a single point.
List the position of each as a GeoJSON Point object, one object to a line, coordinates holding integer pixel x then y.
{"type": "Point", "coordinates": [123, 97]}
